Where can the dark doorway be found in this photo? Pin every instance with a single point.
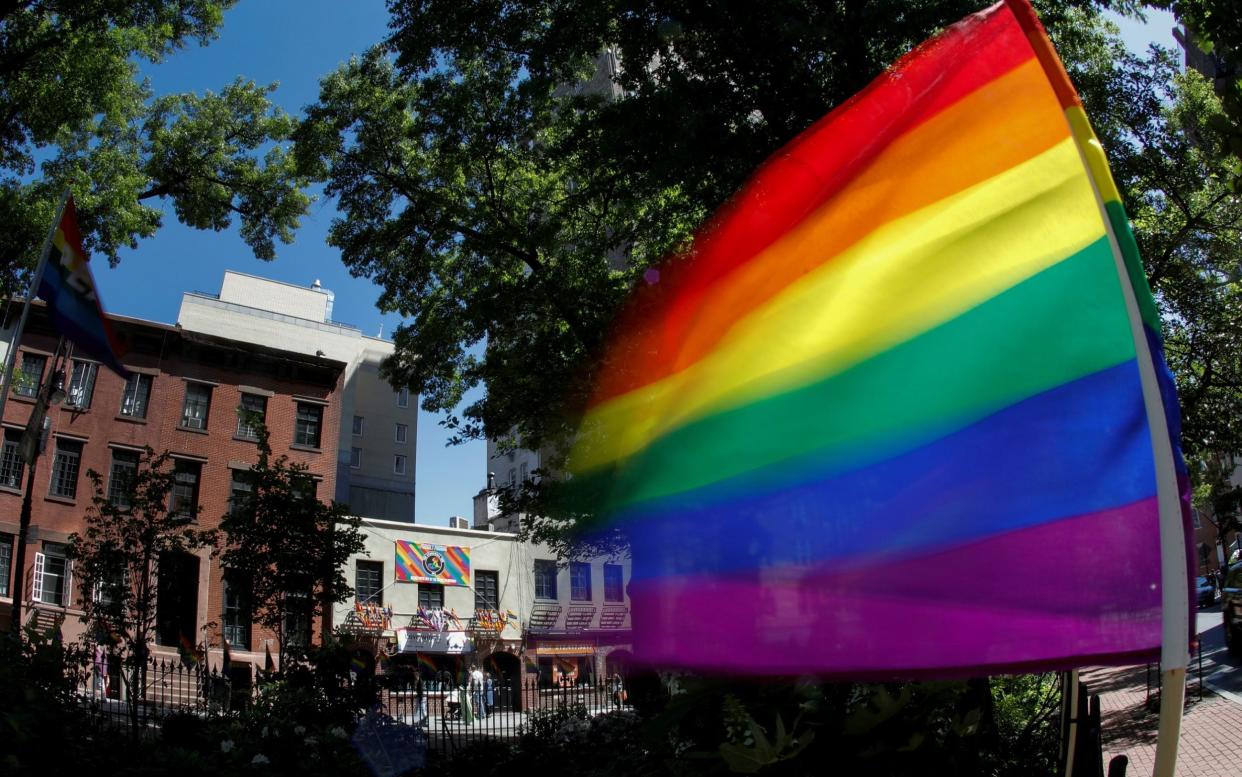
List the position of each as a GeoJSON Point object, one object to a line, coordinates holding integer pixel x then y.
{"type": "Point", "coordinates": [176, 609]}
{"type": "Point", "coordinates": [506, 671]}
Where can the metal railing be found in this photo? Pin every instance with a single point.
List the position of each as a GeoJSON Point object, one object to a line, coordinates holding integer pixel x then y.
{"type": "Point", "coordinates": [450, 716]}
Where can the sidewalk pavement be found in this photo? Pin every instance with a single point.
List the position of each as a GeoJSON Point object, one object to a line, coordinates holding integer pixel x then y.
{"type": "Point", "coordinates": [1211, 741]}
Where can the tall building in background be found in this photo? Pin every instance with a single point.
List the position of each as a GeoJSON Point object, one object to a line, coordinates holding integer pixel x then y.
{"type": "Point", "coordinates": [378, 426]}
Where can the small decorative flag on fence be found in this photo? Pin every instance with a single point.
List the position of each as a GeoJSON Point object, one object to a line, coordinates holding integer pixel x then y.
{"type": "Point", "coordinates": [68, 288]}
{"type": "Point", "coordinates": [900, 413]}
{"type": "Point", "coordinates": [424, 563]}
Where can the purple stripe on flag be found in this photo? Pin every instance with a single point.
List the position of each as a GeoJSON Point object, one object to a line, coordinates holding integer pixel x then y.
{"type": "Point", "coordinates": [1081, 590]}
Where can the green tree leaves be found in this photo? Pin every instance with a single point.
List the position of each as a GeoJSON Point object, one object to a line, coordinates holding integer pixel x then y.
{"type": "Point", "coordinates": [73, 112]}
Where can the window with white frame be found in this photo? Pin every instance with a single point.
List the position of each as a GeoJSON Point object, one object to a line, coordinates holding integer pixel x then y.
{"type": "Point", "coordinates": [53, 576]}
{"type": "Point", "coordinates": [358, 422]}
{"type": "Point", "coordinates": [399, 433]}
{"type": "Point", "coordinates": [355, 458]}
{"type": "Point", "coordinates": [403, 397]}
{"type": "Point", "coordinates": [614, 583]}
{"type": "Point", "coordinates": [398, 464]}
{"type": "Point", "coordinates": [81, 384]}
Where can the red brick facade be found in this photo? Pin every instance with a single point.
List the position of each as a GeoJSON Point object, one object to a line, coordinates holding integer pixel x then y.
{"type": "Point", "coordinates": [173, 359]}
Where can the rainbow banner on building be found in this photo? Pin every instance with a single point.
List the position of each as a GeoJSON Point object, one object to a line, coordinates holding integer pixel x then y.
{"type": "Point", "coordinates": [893, 416]}
{"type": "Point", "coordinates": [68, 288]}
{"type": "Point", "coordinates": [424, 563]}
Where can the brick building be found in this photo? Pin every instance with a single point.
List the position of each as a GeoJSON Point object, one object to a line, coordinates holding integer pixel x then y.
{"type": "Point", "coordinates": [182, 398]}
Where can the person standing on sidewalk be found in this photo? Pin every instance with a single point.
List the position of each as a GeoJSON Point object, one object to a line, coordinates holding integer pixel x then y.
{"type": "Point", "coordinates": [420, 694]}
{"type": "Point", "coordinates": [476, 691]}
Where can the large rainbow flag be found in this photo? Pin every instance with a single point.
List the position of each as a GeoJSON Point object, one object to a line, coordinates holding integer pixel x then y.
{"type": "Point", "coordinates": [420, 562]}
{"type": "Point", "coordinates": [899, 413]}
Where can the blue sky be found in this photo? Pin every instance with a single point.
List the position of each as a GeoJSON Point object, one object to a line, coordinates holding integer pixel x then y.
{"type": "Point", "coordinates": [294, 43]}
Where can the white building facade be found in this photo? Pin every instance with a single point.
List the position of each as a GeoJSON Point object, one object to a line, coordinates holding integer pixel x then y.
{"type": "Point", "coordinates": [434, 599]}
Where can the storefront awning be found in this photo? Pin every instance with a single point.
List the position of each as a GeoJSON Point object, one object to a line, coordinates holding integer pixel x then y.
{"type": "Point", "coordinates": [447, 642]}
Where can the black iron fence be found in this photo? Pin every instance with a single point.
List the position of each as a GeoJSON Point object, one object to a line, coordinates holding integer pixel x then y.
{"type": "Point", "coordinates": [454, 716]}
{"type": "Point", "coordinates": [449, 715]}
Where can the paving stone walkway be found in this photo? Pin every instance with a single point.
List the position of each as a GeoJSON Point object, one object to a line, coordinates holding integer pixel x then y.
{"type": "Point", "coordinates": [1211, 742]}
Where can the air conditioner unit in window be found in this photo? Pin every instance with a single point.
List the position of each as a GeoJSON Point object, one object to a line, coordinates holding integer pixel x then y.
{"type": "Point", "coordinates": [457, 522]}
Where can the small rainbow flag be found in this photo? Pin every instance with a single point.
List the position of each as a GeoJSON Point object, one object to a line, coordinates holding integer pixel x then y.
{"type": "Point", "coordinates": [902, 410]}
{"type": "Point", "coordinates": [425, 563]}
{"type": "Point", "coordinates": [69, 289]}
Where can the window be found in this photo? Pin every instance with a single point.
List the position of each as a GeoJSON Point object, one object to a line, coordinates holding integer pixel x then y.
{"type": "Point", "coordinates": [355, 457]}
{"type": "Point", "coordinates": [614, 583]}
{"type": "Point", "coordinates": [6, 562]}
{"type": "Point", "coordinates": [580, 582]}
{"type": "Point", "coordinates": [298, 619]}
{"type": "Point", "coordinates": [52, 573]}
{"type": "Point", "coordinates": [357, 426]}
{"type": "Point", "coordinates": [137, 393]}
{"type": "Point", "coordinates": [545, 579]}
{"type": "Point", "coordinates": [11, 460]}
{"type": "Point", "coordinates": [65, 468]}
{"type": "Point", "coordinates": [184, 500]}
{"type": "Point", "coordinates": [81, 384]}
{"type": "Point", "coordinates": [307, 427]}
{"type": "Point", "coordinates": [197, 403]}
{"type": "Point", "coordinates": [398, 464]}
{"type": "Point", "coordinates": [525, 474]}
{"type": "Point", "coordinates": [251, 414]}
{"type": "Point", "coordinates": [121, 477]}
{"type": "Point", "coordinates": [239, 490]}
{"type": "Point", "coordinates": [236, 620]}
{"type": "Point", "coordinates": [486, 590]}
{"type": "Point", "coordinates": [26, 381]}
{"type": "Point", "coordinates": [176, 599]}
{"type": "Point", "coordinates": [368, 582]}
{"type": "Point", "coordinates": [430, 596]}
{"type": "Point", "coordinates": [400, 433]}
{"type": "Point", "coordinates": [403, 397]}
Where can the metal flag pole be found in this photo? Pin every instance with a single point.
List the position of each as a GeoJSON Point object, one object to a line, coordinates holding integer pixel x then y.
{"type": "Point", "coordinates": [11, 357]}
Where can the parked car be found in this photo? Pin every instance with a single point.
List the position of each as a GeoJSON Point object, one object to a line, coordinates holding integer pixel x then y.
{"type": "Point", "coordinates": [1207, 590]}
{"type": "Point", "coordinates": [1231, 608]}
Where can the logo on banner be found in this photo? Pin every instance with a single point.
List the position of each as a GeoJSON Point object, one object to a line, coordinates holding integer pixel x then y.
{"type": "Point", "coordinates": [418, 562]}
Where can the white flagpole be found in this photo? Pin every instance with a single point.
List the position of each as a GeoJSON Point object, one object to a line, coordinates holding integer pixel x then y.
{"type": "Point", "coordinates": [1174, 584]}
{"type": "Point", "coordinates": [11, 357]}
